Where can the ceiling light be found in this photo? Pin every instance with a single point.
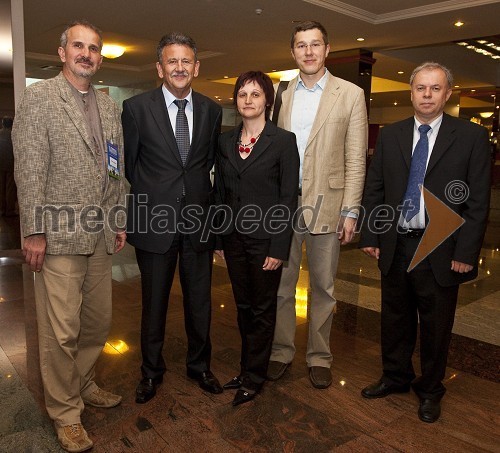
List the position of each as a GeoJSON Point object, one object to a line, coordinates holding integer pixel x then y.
{"type": "Point", "coordinates": [395, 103]}
{"type": "Point", "coordinates": [457, 86]}
{"type": "Point", "coordinates": [360, 39]}
{"type": "Point", "coordinates": [400, 72]}
{"type": "Point", "coordinates": [100, 81]}
{"type": "Point", "coordinates": [112, 50]}
{"type": "Point", "coordinates": [226, 77]}
{"type": "Point", "coordinates": [472, 91]}
{"type": "Point", "coordinates": [482, 41]}
{"type": "Point", "coordinates": [458, 23]}
{"type": "Point", "coordinates": [463, 43]}
{"type": "Point", "coordinates": [486, 114]}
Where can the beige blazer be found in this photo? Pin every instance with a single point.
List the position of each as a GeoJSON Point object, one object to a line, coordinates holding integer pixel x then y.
{"type": "Point", "coordinates": [334, 163]}
{"type": "Point", "coordinates": [59, 178]}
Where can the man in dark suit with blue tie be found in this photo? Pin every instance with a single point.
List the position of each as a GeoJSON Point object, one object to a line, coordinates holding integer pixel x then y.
{"type": "Point", "coordinates": [171, 135]}
{"type": "Point", "coordinates": [442, 154]}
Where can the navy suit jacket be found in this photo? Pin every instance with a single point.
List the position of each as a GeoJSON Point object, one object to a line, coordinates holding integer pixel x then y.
{"type": "Point", "coordinates": [154, 169]}
{"type": "Point", "coordinates": [461, 153]}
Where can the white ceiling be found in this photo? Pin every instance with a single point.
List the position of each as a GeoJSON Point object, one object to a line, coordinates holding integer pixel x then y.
{"type": "Point", "coordinates": [232, 38]}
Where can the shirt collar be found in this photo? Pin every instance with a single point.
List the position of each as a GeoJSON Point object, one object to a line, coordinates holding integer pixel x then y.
{"type": "Point", "coordinates": [433, 125]}
{"type": "Point", "coordinates": [170, 98]}
{"type": "Point", "coordinates": [319, 84]}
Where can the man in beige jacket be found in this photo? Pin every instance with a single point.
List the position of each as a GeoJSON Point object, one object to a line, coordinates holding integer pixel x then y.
{"type": "Point", "coordinates": [68, 150]}
{"type": "Point", "coordinates": [328, 116]}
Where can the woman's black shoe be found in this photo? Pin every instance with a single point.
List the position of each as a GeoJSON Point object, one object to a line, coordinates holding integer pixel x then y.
{"type": "Point", "coordinates": [234, 383]}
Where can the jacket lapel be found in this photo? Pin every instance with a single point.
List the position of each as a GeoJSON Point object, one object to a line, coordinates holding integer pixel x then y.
{"type": "Point", "coordinates": [199, 116]}
{"type": "Point", "coordinates": [72, 109]}
{"type": "Point", "coordinates": [328, 100]}
{"type": "Point", "coordinates": [405, 139]}
{"type": "Point", "coordinates": [285, 116]}
{"type": "Point", "coordinates": [444, 140]}
{"type": "Point", "coordinates": [262, 144]}
{"type": "Point", "coordinates": [231, 148]}
{"type": "Point", "coordinates": [160, 115]}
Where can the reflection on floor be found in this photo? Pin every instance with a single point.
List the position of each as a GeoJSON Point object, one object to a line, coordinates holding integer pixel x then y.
{"type": "Point", "coordinates": [289, 415]}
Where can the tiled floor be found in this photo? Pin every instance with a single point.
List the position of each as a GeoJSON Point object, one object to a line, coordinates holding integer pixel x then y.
{"type": "Point", "coordinates": [289, 415]}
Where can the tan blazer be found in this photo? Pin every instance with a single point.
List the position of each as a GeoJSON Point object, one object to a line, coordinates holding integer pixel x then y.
{"type": "Point", "coordinates": [55, 166]}
{"type": "Point", "coordinates": [334, 163]}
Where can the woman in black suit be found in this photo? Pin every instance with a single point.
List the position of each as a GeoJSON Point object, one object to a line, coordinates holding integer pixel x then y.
{"type": "Point", "coordinates": [257, 179]}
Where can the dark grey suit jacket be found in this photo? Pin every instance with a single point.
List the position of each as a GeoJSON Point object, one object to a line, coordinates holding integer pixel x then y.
{"type": "Point", "coordinates": [156, 174]}
{"type": "Point", "coordinates": [461, 153]}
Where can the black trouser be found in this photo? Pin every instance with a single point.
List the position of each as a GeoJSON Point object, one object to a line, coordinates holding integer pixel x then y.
{"type": "Point", "coordinates": [408, 297]}
{"type": "Point", "coordinates": [255, 293]}
{"type": "Point", "coordinates": [157, 274]}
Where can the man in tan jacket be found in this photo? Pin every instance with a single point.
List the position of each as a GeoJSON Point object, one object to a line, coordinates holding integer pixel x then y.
{"type": "Point", "coordinates": [68, 150]}
{"type": "Point", "coordinates": [328, 116]}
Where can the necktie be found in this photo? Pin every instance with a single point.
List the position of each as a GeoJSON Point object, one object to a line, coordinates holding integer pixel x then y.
{"type": "Point", "coordinates": [182, 130]}
{"type": "Point", "coordinates": [417, 172]}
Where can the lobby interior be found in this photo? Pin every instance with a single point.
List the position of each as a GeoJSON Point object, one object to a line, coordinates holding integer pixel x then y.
{"type": "Point", "coordinates": [289, 415]}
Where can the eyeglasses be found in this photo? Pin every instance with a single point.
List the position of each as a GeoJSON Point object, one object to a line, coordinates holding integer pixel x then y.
{"type": "Point", "coordinates": [302, 46]}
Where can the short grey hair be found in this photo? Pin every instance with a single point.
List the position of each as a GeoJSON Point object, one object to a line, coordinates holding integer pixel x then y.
{"type": "Point", "coordinates": [83, 23]}
{"type": "Point", "coordinates": [429, 66]}
{"type": "Point", "coordinates": [176, 38]}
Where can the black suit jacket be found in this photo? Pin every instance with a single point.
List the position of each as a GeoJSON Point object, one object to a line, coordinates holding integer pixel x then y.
{"type": "Point", "coordinates": [461, 153]}
{"type": "Point", "coordinates": [154, 169]}
{"type": "Point", "coordinates": [264, 186]}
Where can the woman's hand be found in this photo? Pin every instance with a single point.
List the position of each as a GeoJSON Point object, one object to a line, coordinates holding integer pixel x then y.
{"type": "Point", "coordinates": [271, 264]}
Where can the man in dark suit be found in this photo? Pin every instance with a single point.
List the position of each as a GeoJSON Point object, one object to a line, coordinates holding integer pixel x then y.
{"type": "Point", "coordinates": [451, 153]}
{"type": "Point", "coordinates": [170, 137]}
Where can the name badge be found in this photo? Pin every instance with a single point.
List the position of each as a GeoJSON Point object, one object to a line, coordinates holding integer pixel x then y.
{"type": "Point", "coordinates": [113, 168]}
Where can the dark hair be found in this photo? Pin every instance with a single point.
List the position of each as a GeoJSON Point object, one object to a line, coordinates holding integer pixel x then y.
{"type": "Point", "coordinates": [429, 66]}
{"type": "Point", "coordinates": [7, 122]}
{"type": "Point", "coordinates": [83, 23]}
{"type": "Point", "coordinates": [263, 80]}
{"type": "Point", "coordinates": [175, 38]}
{"type": "Point", "coordinates": [309, 25]}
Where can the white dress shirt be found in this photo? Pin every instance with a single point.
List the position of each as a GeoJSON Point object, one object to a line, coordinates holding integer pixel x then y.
{"type": "Point", "coordinates": [418, 222]}
{"type": "Point", "coordinates": [172, 109]}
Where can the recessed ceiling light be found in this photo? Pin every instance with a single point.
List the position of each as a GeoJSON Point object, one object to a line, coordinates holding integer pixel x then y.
{"type": "Point", "coordinates": [400, 72]}
{"type": "Point", "coordinates": [457, 86]}
{"type": "Point", "coordinates": [100, 81]}
{"type": "Point", "coordinates": [472, 91]}
{"type": "Point", "coordinates": [360, 39]}
{"type": "Point", "coordinates": [226, 77]}
{"type": "Point", "coordinates": [395, 103]}
{"type": "Point", "coordinates": [458, 23]}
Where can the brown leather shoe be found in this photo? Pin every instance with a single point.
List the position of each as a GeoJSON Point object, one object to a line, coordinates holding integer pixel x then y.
{"type": "Point", "coordinates": [276, 370]}
{"type": "Point", "coordinates": [320, 376]}
{"type": "Point", "coordinates": [74, 438]}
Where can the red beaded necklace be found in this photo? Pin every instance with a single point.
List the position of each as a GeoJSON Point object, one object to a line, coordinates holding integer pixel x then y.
{"type": "Point", "coordinates": [246, 148]}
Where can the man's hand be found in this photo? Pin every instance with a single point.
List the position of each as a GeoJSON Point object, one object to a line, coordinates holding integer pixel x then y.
{"type": "Point", "coordinates": [121, 238]}
{"type": "Point", "coordinates": [34, 247]}
{"type": "Point", "coordinates": [374, 252]}
{"type": "Point", "coordinates": [271, 264]}
{"type": "Point", "coordinates": [345, 229]}
{"type": "Point", "coordinates": [459, 267]}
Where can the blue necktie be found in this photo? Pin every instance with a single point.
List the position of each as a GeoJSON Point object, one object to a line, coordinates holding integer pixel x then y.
{"type": "Point", "coordinates": [417, 173]}
{"type": "Point", "coordinates": [182, 130]}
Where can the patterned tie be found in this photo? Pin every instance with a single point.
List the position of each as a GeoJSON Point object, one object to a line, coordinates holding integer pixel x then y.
{"type": "Point", "coordinates": [182, 130]}
{"type": "Point", "coordinates": [417, 173]}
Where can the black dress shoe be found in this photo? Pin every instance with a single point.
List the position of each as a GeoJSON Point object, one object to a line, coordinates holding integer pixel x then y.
{"type": "Point", "coordinates": [380, 389]}
{"type": "Point", "coordinates": [429, 410]}
{"type": "Point", "coordinates": [234, 383]}
{"type": "Point", "coordinates": [146, 389]}
{"type": "Point", "coordinates": [207, 381]}
{"type": "Point", "coordinates": [243, 396]}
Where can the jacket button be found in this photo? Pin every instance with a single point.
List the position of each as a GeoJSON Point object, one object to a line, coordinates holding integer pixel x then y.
{"type": "Point", "coordinates": [99, 176]}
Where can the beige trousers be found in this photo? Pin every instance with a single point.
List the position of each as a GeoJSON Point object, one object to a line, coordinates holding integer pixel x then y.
{"type": "Point", "coordinates": [73, 306]}
{"type": "Point", "coordinates": [322, 256]}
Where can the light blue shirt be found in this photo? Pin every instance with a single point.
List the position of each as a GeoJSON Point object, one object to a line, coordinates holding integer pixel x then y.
{"type": "Point", "coordinates": [304, 108]}
{"type": "Point", "coordinates": [172, 109]}
{"type": "Point", "coordinates": [418, 222]}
